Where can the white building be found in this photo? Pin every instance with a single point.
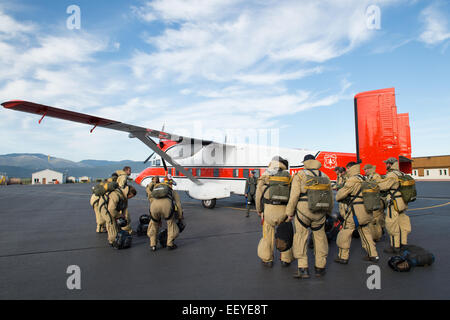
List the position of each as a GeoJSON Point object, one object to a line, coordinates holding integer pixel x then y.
{"type": "Point", "coordinates": [431, 168]}
{"type": "Point", "coordinates": [72, 179]}
{"type": "Point", "coordinates": [47, 176]}
{"type": "Point", "coordinates": [432, 173]}
{"type": "Point", "coordinates": [84, 179]}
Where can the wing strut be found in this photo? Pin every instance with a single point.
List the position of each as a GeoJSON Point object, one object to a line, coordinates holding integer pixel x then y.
{"type": "Point", "coordinates": [152, 145]}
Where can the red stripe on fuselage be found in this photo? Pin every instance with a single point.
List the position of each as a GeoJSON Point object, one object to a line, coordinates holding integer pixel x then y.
{"type": "Point", "coordinates": [329, 161]}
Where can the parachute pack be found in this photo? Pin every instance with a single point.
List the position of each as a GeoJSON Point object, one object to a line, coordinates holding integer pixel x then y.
{"type": "Point", "coordinates": [284, 236]}
{"type": "Point", "coordinates": [371, 195]}
{"type": "Point", "coordinates": [104, 187]}
{"type": "Point", "coordinates": [318, 190]}
{"type": "Point", "coordinates": [279, 187]}
{"type": "Point", "coordinates": [407, 187]}
{"type": "Point", "coordinates": [161, 190]}
{"type": "Point", "coordinates": [123, 240]}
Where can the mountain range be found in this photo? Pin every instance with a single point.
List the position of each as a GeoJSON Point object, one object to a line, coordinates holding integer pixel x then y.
{"type": "Point", "coordinates": [22, 165]}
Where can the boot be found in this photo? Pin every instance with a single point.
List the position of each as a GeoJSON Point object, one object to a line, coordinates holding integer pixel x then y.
{"type": "Point", "coordinates": [372, 259]}
{"type": "Point", "coordinates": [392, 250]}
{"type": "Point", "coordinates": [285, 264]}
{"type": "Point", "coordinates": [341, 261]}
{"type": "Point", "coordinates": [320, 272]}
{"type": "Point", "coordinates": [302, 273]}
{"type": "Point", "coordinates": [268, 264]}
{"type": "Point", "coordinates": [172, 247]}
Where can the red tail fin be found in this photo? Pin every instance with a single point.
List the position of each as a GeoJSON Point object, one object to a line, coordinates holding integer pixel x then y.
{"type": "Point", "coordinates": [381, 133]}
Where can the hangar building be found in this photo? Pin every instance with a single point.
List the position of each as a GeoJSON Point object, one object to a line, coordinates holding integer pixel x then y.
{"type": "Point", "coordinates": [47, 176]}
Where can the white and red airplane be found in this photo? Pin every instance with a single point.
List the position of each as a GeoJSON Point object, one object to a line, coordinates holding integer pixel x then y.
{"type": "Point", "coordinates": [210, 170]}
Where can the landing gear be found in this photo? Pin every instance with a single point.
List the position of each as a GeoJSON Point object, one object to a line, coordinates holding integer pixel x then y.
{"type": "Point", "coordinates": [209, 204]}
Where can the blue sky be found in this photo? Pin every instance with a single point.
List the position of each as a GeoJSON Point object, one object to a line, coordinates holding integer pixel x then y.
{"type": "Point", "coordinates": [208, 68]}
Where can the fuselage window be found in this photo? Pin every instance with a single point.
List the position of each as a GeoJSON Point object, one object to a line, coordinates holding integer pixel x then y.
{"type": "Point", "coordinates": [235, 173]}
{"type": "Point", "coordinates": [257, 173]}
{"type": "Point", "coordinates": [216, 172]}
{"type": "Point", "coordinates": [246, 173]}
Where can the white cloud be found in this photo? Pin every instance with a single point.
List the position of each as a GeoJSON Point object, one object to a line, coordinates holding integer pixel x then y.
{"type": "Point", "coordinates": [184, 10]}
{"type": "Point", "coordinates": [9, 27]}
{"type": "Point", "coordinates": [435, 22]}
{"type": "Point", "coordinates": [217, 40]}
{"type": "Point", "coordinates": [272, 78]}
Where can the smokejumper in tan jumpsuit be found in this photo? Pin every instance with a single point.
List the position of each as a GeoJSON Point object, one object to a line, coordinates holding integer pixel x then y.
{"type": "Point", "coordinates": [304, 219]}
{"type": "Point", "coordinates": [272, 216]}
{"type": "Point", "coordinates": [398, 224]}
{"type": "Point", "coordinates": [356, 217]}
{"type": "Point", "coordinates": [163, 209]}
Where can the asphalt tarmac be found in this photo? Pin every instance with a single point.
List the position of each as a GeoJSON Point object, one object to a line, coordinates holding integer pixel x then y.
{"type": "Point", "coordinates": [46, 229]}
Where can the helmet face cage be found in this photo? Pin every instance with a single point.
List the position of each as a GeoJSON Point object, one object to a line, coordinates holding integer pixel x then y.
{"type": "Point", "coordinates": [144, 219]}
{"type": "Point", "coordinates": [121, 222]}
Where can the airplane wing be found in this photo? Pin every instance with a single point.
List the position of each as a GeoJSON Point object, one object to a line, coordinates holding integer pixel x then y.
{"type": "Point", "coordinates": [143, 134]}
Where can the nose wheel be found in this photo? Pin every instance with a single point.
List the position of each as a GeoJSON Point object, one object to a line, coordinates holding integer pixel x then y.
{"type": "Point", "coordinates": [209, 204]}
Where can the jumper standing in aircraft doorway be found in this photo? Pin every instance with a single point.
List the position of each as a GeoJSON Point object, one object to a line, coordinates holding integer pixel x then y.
{"type": "Point", "coordinates": [250, 190]}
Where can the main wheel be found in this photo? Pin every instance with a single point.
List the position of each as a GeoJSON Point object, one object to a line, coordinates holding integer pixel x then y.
{"type": "Point", "coordinates": [209, 204]}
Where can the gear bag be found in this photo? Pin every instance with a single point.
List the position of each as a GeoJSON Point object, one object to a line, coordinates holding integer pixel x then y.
{"type": "Point", "coordinates": [407, 187]}
{"type": "Point", "coordinates": [318, 191]}
{"type": "Point", "coordinates": [161, 190]}
{"type": "Point", "coordinates": [399, 264]}
{"type": "Point", "coordinates": [162, 236]}
{"type": "Point", "coordinates": [104, 187]}
{"type": "Point", "coordinates": [142, 228]}
{"type": "Point", "coordinates": [371, 195]}
{"type": "Point", "coordinates": [411, 256]}
{"type": "Point", "coordinates": [284, 236]}
{"type": "Point", "coordinates": [417, 256]}
{"type": "Point", "coordinates": [123, 240]}
{"type": "Point", "coordinates": [181, 225]}
{"type": "Point", "coordinates": [332, 227]}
